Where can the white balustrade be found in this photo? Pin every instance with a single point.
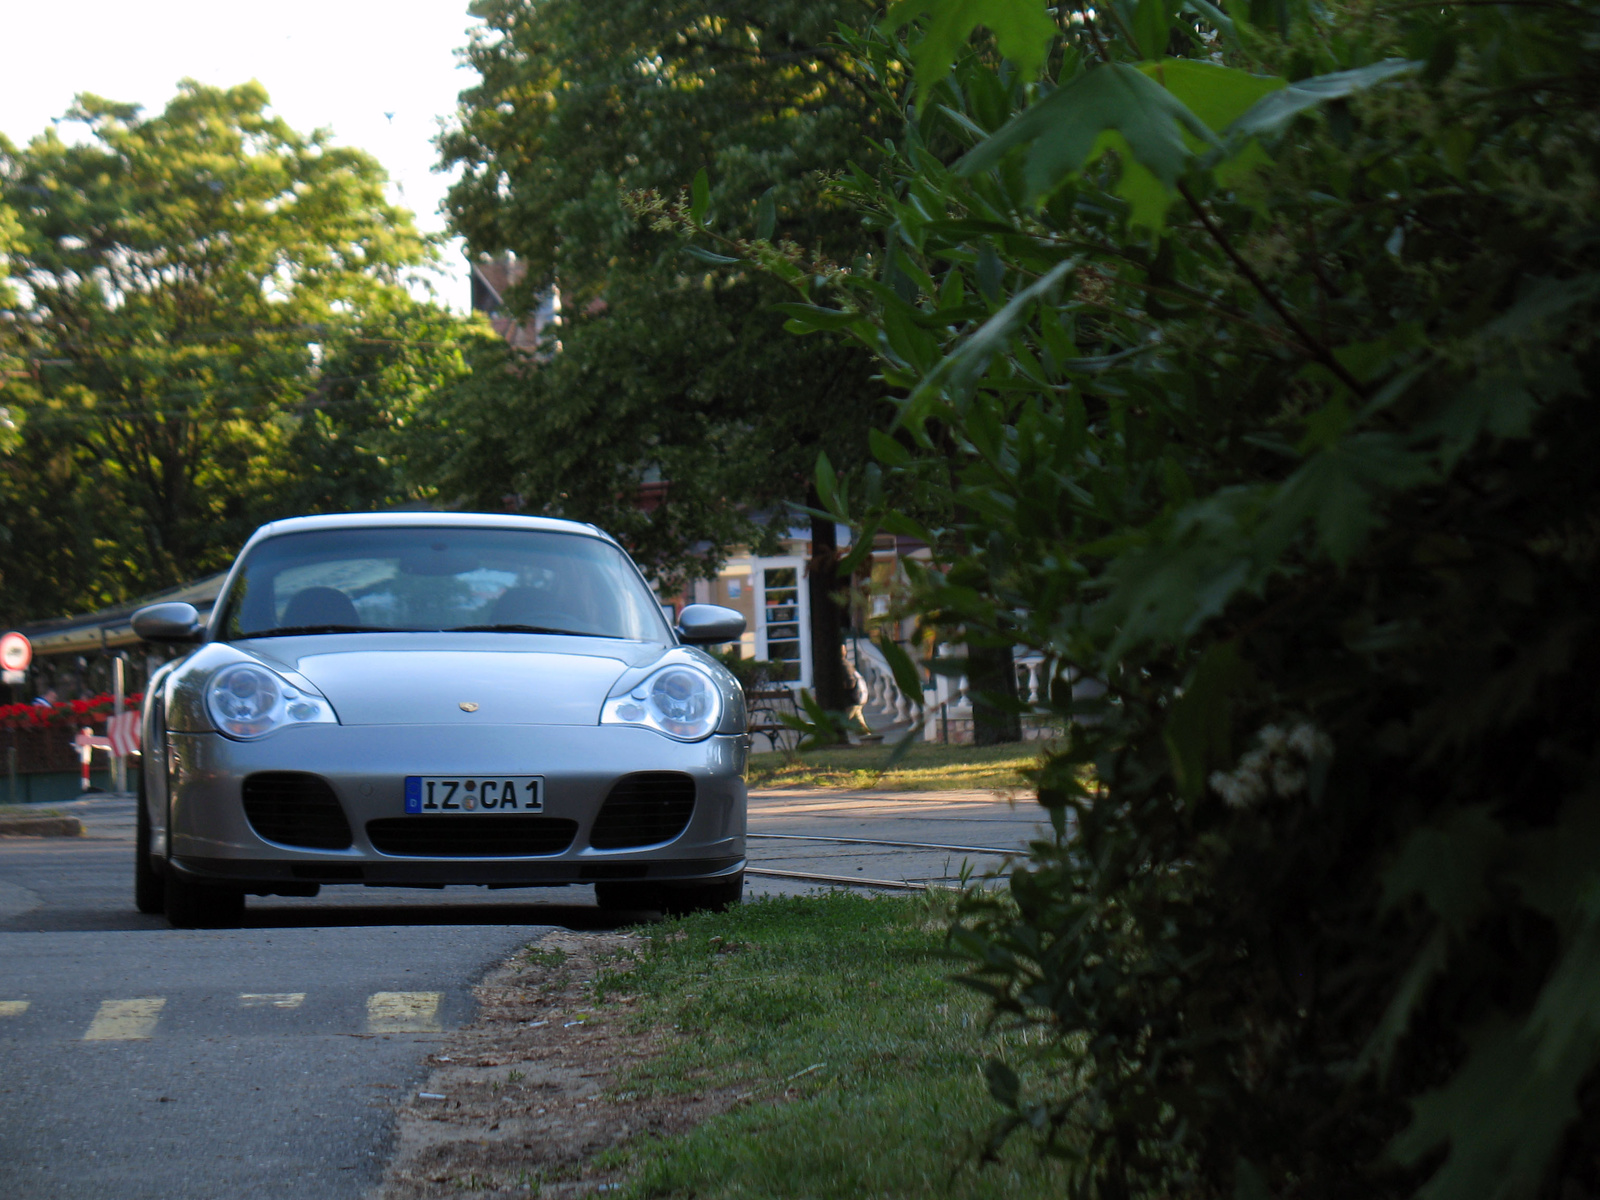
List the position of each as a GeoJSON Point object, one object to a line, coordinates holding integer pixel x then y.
{"type": "Point", "coordinates": [883, 692]}
{"type": "Point", "coordinates": [944, 703]}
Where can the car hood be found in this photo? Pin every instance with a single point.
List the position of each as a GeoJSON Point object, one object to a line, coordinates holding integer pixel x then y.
{"type": "Point", "coordinates": [529, 682]}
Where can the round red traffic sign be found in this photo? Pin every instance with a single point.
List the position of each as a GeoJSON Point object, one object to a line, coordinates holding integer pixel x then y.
{"type": "Point", "coordinates": [16, 652]}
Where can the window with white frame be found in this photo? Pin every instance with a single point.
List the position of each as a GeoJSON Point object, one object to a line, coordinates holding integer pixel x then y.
{"type": "Point", "coordinates": [783, 628]}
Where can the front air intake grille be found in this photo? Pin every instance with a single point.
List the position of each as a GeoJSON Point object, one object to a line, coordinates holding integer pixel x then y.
{"type": "Point", "coordinates": [644, 809]}
{"type": "Point", "coordinates": [295, 809]}
{"type": "Point", "coordinates": [471, 836]}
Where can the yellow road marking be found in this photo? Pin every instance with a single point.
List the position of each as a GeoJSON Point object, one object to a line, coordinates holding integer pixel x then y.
{"type": "Point", "coordinates": [403, 1012]}
{"type": "Point", "coordinates": [13, 1008]}
{"type": "Point", "coordinates": [272, 999]}
{"type": "Point", "coordinates": [125, 1020]}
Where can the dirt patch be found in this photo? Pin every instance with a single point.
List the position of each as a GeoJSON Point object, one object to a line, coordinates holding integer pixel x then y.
{"type": "Point", "coordinates": [515, 1103]}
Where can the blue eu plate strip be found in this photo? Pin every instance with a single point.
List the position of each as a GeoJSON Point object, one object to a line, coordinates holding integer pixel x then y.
{"type": "Point", "coordinates": [413, 793]}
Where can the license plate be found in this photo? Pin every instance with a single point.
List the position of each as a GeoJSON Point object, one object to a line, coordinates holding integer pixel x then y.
{"type": "Point", "coordinates": [474, 793]}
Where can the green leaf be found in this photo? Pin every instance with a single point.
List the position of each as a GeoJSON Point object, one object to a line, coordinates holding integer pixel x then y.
{"type": "Point", "coordinates": [1543, 306]}
{"type": "Point", "coordinates": [1148, 198]}
{"type": "Point", "coordinates": [708, 256]}
{"type": "Point", "coordinates": [1448, 867]}
{"type": "Point", "coordinates": [828, 487]}
{"type": "Point", "coordinates": [1565, 1022]}
{"type": "Point", "coordinates": [814, 317]}
{"type": "Point", "coordinates": [699, 197]}
{"type": "Point", "coordinates": [1500, 1115]}
{"type": "Point", "coordinates": [904, 670]}
{"type": "Point", "coordinates": [1152, 26]}
{"type": "Point", "coordinates": [1215, 94]}
{"type": "Point", "coordinates": [860, 551]}
{"type": "Point", "coordinates": [1413, 989]}
{"type": "Point", "coordinates": [1199, 732]}
{"type": "Point", "coordinates": [766, 215]}
{"type": "Point", "coordinates": [886, 450]}
{"type": "Point", "coordinates": [1273, 113]}
{"type": "Point", "coordinates": [1063, 132]}
{"type": "Point", "coordinates": [1166, 585]}
{"type": "Point", "coordinates": [1338, 489]}
{"type": "Point", "coordinates": [1022, 29]}
{"type": "Point", "coordinates": [819, 726]}
{"type": "Point", "coordinates": [897, 522]}
{"type": "Point", "coordinates": [971, 358]}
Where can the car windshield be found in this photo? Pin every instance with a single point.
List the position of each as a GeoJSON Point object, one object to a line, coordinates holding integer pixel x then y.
{"type": "Point", "coordinates": [491, 580]}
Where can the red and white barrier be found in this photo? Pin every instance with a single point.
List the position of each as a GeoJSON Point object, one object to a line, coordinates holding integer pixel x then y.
{"type": "Point", "coordinates": [122, 732]}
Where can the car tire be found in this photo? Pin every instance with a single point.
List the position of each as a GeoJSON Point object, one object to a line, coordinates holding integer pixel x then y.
{"type": "Point", "coordinates": [195, 905]}
{"type": "Point", "coordinates": [149, 885]}
{"type": "Point", "coordinates": [684, 899]}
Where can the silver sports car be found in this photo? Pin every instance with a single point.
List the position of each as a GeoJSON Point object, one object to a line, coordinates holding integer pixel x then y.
{"type": "Point", "coordinates": [419, 700]}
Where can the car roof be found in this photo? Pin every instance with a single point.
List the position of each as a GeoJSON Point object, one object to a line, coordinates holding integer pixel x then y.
{"type": "Point", "coordinates": [427, 520]}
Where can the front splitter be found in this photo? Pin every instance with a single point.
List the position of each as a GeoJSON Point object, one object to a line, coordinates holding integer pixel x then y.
{"type": "Point", "coordinates": [501, 872]}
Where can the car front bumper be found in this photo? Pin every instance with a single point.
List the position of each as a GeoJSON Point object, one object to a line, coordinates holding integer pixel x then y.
{"type": "Point", "coordinates": [209, 835]}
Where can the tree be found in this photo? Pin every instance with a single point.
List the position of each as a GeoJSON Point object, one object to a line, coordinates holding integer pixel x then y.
{"type": "Point", "coordinates": [204, 297]}
{"type": "Point", "coordinates": [1259, 346]}
{"type": "Point", "coordinates": [11, 362]}
{"type": "Point", "coordinates": [669, 369]}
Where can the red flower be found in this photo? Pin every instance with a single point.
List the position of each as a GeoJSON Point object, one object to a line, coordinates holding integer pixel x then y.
{"type": "Point", "coordinates": [71, 714]}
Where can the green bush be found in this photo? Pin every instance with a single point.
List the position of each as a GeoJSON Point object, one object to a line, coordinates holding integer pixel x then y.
{"type": "Point", "coordinates": [1259, 349]}
{"type": "Point", "coordinates": [750, 672]}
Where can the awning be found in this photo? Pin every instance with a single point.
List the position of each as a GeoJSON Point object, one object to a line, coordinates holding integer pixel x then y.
{"type": "Point", "coordinates": [111, 628]}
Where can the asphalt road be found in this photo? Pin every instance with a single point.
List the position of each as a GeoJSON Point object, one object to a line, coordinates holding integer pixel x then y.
{"type": "Point", "coordinates": [139, 1061]}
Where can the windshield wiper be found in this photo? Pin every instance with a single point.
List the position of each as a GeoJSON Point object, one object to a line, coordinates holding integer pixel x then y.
{"type": "Point", "coordinates": [292, 630]}
{"type": "Point", "coordinates": [504, 628]}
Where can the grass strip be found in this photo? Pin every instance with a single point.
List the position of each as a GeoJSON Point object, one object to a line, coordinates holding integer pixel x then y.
{"type": "Point", "coordinates": [857, 1063]}
{"type": "Point", "coordinates": [927, 766]}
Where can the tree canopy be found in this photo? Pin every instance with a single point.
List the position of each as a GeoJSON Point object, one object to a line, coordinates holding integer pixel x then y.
{"type": "Point", "coordinates": [578, 102]}
{"type": "Point", "coordinates": [210, 313]}
{"type": "Point", "coordinates": [668, 372]}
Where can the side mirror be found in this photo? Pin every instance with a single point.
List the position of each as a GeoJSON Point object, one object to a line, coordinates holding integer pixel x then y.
{"type": "Point", "coordinates": [172, 622]}
{"type": "Point", "coordinates": [709, 624]}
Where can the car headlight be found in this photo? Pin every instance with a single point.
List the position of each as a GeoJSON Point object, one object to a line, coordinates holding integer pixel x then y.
{"type": "Point", "coordinates": [247, 701]}
{"type": "Point", "coordinates": [678, 701]}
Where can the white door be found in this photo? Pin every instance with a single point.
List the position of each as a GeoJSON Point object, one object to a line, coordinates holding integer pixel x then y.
{"type": "Point", "coordinates": [783, 611]}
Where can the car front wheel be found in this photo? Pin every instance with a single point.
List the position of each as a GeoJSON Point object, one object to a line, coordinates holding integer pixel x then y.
{"type": "Point", "coordinates": [149, 885]}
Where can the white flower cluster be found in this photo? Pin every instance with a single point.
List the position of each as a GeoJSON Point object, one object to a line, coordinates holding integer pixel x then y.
{"type": "Point", "coordinates": [1278, 766]}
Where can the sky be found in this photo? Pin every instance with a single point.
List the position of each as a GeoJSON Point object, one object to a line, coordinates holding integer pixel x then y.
{"type": "Point", "coordinates": [379, 75]}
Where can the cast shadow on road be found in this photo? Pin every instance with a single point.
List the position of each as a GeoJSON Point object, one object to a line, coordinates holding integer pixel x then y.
{"type": "Point", "coordinates": [326, 915]}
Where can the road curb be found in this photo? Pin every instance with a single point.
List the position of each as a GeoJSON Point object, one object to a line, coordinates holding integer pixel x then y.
{"type": "Point", "coordinates": [40, 827]}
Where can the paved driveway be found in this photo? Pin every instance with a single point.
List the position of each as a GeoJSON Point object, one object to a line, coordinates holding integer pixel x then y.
{"type": "Point", "coordinates": [974, 828]}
